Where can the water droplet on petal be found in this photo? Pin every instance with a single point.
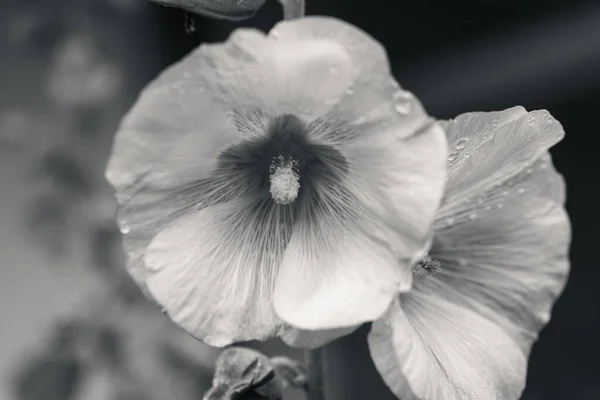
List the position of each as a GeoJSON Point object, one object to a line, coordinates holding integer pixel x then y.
{"type": "Point", "coordinates": [449, 221]}
{"type": "Point", "coordinates": [402, 102]}
{"type": "Point", "coordinates": [124, 227]}
{"type": "Point", "coordinates": [453, 156]}
{"type": "Point", "coordinates": [495, 123]}
{"type": "Point", "coordinates": [543, 166]}
{"type": "Point", "coordinates": [531, 120]}
{"type": "Point", "coordinates": [529, 170]}
{"type": "Point", "coordinates": [505, 193]}
{"type": "Point", "coordinates": [472, 216]}
{"type": "Point", "coordinates": [462, 143]}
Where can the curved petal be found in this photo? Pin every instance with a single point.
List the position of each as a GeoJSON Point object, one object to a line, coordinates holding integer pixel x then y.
{"type": "Point", "coordinates": [507, 257]}
{"type": "Point", "coordinates": [213, 271]}
{"type": "Point", "coordinates": [304, 76]}
{"type": "Point", "coordinates": [429, 348]}
{"type": "Point", "coordinates": [487, 148]}
{"type": "Point", "coordinates": [503, 262]}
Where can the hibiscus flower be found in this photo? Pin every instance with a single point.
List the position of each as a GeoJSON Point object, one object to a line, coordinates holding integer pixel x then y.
{"type": "Point", "coordinates": [498, 261]}
{"type": "Point", "coordinates": [277, 185]}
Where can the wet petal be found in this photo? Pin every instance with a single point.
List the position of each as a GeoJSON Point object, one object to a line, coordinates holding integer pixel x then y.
{"type": "Point", "coordinates": [503, 258]}
{"type": "Point", "coordinates": [487, 148]}
{"type": "Point", "coordinates": [213, 271]}
{"type": "Point", "coordinates": [428, 348]}
{"type": "Point", "coordinates": [506, 255]}
{"type": "Point", "coordinates": [303, 76]}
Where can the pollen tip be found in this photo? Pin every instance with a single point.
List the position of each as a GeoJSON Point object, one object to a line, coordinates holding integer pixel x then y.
{"type": "Point", "coordinates": [285, 181]}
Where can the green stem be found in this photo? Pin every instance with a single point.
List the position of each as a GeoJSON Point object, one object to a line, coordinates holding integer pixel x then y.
{"type": "Point", "coordinates": [316, 382]}
{"type": "Point", "coordinates": [293, 9]}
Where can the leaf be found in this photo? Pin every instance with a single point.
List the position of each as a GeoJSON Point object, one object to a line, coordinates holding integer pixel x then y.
{"type": "Point", "coordinates": [233, 10]}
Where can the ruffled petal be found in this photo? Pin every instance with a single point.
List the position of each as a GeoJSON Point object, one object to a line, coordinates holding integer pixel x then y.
{"type": "Point", "coordinates": [300, 76]}
{"type": "Point", "coordinates": [503, 254]}
{"type": "Point", "coordinates": [213, 271]}
{"type": "Point", "coordinates": [428, 348]}
{"type": "Point", "coordinates": [487, 148]}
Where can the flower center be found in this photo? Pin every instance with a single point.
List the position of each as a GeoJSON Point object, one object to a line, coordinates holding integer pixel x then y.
{"type": "Point", "coordinates": [284, 179]}
{"type": "Point", "coordinates": [426, 266]}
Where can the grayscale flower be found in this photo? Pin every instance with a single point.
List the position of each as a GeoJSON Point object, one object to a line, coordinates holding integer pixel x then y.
{"type": "Point", "coordinates": [498, 261]}
{"type": "Point", "coordinates": [277, 181]}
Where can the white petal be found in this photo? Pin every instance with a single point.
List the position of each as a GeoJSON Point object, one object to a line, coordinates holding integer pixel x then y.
{"type": "Point", "coordinates": [213, 271]}
{"type": "Point", "coordinates": [428, 348]}
{"type": "Point", "coordinates": [338, 269]}
{"type": "Point", "coordinates": [502, 241]}
{"type": "Point", "coordinates": [487, 148]}
{"type": "Point", "coordinates": [506, 256]}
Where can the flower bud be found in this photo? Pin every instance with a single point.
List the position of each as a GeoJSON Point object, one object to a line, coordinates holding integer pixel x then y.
{"type": "Point", "coordinates": [233, 10]}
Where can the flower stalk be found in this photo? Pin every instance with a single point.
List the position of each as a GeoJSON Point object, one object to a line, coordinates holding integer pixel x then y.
{"type": "Point", "coordinates": [316, 382]}
{"type": "Point", "coordinates": [293, 9]}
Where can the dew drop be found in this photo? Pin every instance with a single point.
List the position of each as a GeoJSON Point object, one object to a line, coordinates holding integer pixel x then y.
{"type": "Point", "coordinates": [531, 120]}
{"type": "Point", "coordinates": [472, 216]}
{"type": "Point", "coordinates": [453, 156]}
{"type": "Point", "coordinates": [543, 166]}
{"type": "Point", "coordinates": [402, 102]}
{"type": "Point", "coordinates": [124, 227]}
{"type": "Point", "coordinates": [529, 170]}
{"type": "Point", "coordinates": [449, 220]}
{"type": "Point", "coordinates": [495, 123]}
{"type": "Point", "coordinates": [505, 193]}
{"type": "Point", "coordinates": [462, 143]}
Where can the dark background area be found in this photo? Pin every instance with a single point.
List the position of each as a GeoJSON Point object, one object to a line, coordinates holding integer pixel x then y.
{"type": "Point", "coordinates": [456, 56]}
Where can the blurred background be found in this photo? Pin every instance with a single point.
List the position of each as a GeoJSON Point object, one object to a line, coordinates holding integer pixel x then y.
{"type": "Point", "coordinates": [72, 324]}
